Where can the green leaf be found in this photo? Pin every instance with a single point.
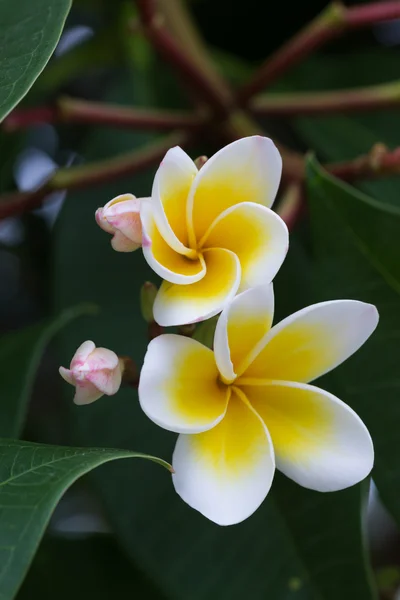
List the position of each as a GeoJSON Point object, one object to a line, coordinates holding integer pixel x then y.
{"type": "Point", "coordinates": [28, 36]}
{"type": "Point", "coordinates": [96, 562]}
{"type": "Point", "coordinates": [20, 355]}
{"type": "Point", "coordinates": [343, 137]}
{"type": "Point", "coordinates": [292, 547]}
{"type": "Point", "coordinates": [358, 256]}
{"type": "Point", "coordinates": [33, 477]}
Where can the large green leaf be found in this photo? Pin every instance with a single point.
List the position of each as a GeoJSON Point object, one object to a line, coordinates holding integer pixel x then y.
{"type": "Point", "coordinates": [358, 256]}
{"type": "Point", "coordinates": [96, 562]}
{"type": "Point", "coordinates": [298, 544]}
{"type": "Point", "coordinates": [33, 477]}
{"type": "Point", "coordinates": [20, 355]}
{"type": "Point", "coordinates": [29, 33]}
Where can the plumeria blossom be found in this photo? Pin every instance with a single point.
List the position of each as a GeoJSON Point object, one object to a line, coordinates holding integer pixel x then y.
{"type": "Point", "coordinates": [248, 407]}
{"type": "Point", "coordinates": [94, 372]}
{"type": "Point", "coordinates": [210, 233]}
{"type": "Point", "coordinates": [121, 217]}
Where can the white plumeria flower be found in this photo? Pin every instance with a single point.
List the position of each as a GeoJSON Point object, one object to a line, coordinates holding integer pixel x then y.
{"type": "Point", "coordinates": [121, 217]}
{"type": "Point", "coordinates": [248, 406]}
{"type": "Point", "coordinates": [211, 233]}
{"type": "Point", "coordinates": [94, 372]}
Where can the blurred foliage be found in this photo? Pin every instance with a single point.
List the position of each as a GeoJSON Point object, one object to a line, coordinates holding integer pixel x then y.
{"type": "Point", "coordinates": [299, 544]}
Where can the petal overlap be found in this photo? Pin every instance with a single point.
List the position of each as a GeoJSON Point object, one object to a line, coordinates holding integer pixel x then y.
{"type": "Point", "coordinates": [247, 170]}
{"type": "Point", "coordinates": [258, 237]}
{"type": "Point", "coordinates": [179, 304]}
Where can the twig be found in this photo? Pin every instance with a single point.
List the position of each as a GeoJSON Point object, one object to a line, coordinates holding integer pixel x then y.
{"type": "Point", "coordinates": [362, 99]}
{"type": "Point", "coordinates": [73, 110]}
{"type": "Point", "coordinates": [16, 203]}
{"type": "Point", "coordinates": [379, 162]}
{"type": "Point", "coordinates": [170, 50]}
{"type": "Point", "coordinates": [333, 21]}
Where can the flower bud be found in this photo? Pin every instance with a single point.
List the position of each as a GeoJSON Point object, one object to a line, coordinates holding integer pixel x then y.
{"type": "Point", "coordinates": [94, 372]}
{"type": "Point", "coordinates": [148, 294]}
{"type": "Point", "coordinates": [121, 217]}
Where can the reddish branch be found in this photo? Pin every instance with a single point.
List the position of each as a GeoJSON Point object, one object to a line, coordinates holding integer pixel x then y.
{"type": "Point", "coordinates": [377, 163]}
{"type": "Point", "coordinates": [333, 21]}
{"type": "Point", "coordinates": [217, 98]}
{"type": "Point", "coordinates": [16, 203]}
{"type": "Point", "coordinates": [72, 110]}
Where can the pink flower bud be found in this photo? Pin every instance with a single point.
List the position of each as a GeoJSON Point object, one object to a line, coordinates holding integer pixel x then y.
{"type": "Point", "coordinates": [94, 372]}
{"type": "Point", "coordinates": [121, 217]}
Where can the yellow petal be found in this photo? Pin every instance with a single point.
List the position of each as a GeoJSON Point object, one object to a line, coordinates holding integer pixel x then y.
{"type": "Point", "coordinates": [319, 441]}
{"type": "Point", "coordinates": [169, 197]}
{"type": "Point", "coordinates": [179, 387]}
{"type": "Point", "coordinates": [257, 235]}
{"type": "Point", "coordinates": [180, 304]}
{"type": "Point", "coordinates": [248, 170]}
{"type": "Point", "coordinates": [163, 259]}
{"type": "Point", "coordinates": [313, 341]}
{"type": "Point", "coordinates": [241, 326]}
{"type": "Point", "coordinates": [226, 472]}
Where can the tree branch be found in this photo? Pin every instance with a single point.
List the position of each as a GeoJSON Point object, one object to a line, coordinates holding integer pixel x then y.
{"type": "Point", "coordinates": [333, 21]}
{"type": "Point", "coordinates": [16, 203]}
{"type": "Point", "coordinates": [315, 103]}
{"type": "Point", "coordinates": [378, 163]}
{"type": "Point", "coordinates": [153, 23]}
{"type": "Point", "coordinates": [73, 110]}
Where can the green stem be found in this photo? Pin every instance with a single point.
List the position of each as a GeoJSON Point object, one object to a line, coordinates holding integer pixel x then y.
{"type": "Point", "coordinates": [335, 19]}
{"type": "Point", "coordinates": [313, 103]}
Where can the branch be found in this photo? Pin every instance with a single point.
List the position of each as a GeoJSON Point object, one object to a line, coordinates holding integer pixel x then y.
{"type": "Point", "coordinates": [153, 22]}
{"type": "Point", "coordinates": [316, 103]}
{"type": "Point", "coordinates": [379, 162]}
{"type": "Point", "coordinates": [72, 110]}
{"type": "Point", "coordinates": [16, 203]}
{"type": "Point", "coordinates": [333, 21]}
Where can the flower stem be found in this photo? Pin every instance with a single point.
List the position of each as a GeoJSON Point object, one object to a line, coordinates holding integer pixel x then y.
{"type": "Point", "coordinates": [73, 110]}
{"type": "Point", "coordinates": [334, 20]}
{"type": "Point", "coordinates": [314, 103]}
{"type": "Point", "coordinates": [82, 176]}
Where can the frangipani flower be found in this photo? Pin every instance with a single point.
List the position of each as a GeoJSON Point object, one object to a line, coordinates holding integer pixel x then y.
{"type": "Point", "coordinates": [248, 407]}
{"type": "Point", "coordinates": [94, 372]}
{"type": "Point", "coordinates": [211, 233]}
{"type": "Point", "coordinates": [121, 217]}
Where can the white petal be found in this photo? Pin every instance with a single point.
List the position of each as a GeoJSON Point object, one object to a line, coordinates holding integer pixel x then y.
{"type": "Point", "coordinates": [86, 393]}
{"type": "Point", "coordinates": [169, 197]}
{"type": "Point", "coordinates": [225, 473]}
{"type": "Point", "coordinates": [179, 388]}
{"type": "Point", "coordinates": [82, 354]}
{"type": "Point", "coordinates": [319, 441]}
{"type": "Point", "coordinates": [248, 170]}
{"type": "Point", "coordinates": [242, 324]}
{"type": "Point", "coordinates": [121, 243]}
{"type": "Point", "coordinates": [313, 341]}
{"type": "Point", "coordinates": [107, 381]}
{"type": "Point", "coordinates": [67, 375]}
